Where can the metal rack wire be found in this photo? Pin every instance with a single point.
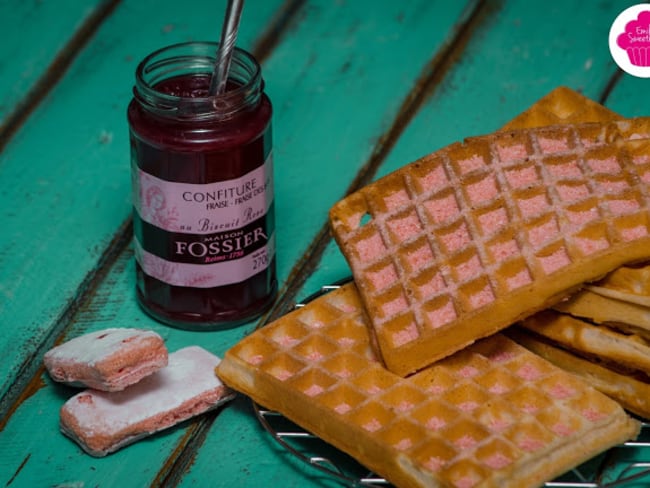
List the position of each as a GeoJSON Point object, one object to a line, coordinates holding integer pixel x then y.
{"type": "Point", "coordinates": [623, 466]}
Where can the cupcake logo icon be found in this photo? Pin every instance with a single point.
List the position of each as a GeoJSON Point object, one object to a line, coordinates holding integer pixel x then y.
{"type": "Point", "coordinates": [629, 40]}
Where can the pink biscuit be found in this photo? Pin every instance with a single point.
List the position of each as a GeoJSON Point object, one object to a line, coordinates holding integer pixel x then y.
{"type": "Point", "coordinates": [108, 360]}
{"type": "Point", "coordinates": [103, 422]}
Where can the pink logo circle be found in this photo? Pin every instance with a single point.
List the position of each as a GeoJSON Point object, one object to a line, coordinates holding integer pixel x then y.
{"type": "Point", "coordinates": [629, 40]}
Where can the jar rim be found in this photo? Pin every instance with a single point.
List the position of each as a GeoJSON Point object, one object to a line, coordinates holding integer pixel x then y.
{"type": "Point", "coordinates": [198, 58]}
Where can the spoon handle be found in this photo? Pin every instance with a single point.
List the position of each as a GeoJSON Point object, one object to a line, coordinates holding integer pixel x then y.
{"type": "Point", "coordinates": [226, 47]}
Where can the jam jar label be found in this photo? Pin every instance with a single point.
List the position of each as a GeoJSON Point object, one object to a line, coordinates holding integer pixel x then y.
{"type": "Point", "coordinates": [204, 235]}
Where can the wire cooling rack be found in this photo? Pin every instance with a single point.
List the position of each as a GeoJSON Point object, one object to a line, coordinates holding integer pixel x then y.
{"type": "Point", "coordinates": [622, 466]}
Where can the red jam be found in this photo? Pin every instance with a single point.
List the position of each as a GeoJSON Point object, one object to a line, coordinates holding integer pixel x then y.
{"type": "Point", "coordinates": [203, 200]}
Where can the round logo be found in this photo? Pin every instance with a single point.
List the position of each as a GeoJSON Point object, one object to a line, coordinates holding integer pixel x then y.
{"type": "Point", "coordinates": [629, 40]}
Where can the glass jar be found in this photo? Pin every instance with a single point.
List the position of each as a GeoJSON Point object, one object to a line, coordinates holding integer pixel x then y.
{"type": "Point", "coordinates": [202, 171]}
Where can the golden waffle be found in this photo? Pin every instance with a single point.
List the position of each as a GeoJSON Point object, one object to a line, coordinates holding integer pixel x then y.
{"type": "Point", "coordinates": [630, 390]}
{"type": "Point", "coordinates": [562, 106]}
{"type": "Point", "coordinates": [628, 284]}
{"type": "Point", "coordinates": [493, 415]}
{"type": "Point", "coordinates": [629, 352]}
{"type": "Point", "coordinates": [468, 240]}
{"type": "Point", "coordinates": [626, 316]}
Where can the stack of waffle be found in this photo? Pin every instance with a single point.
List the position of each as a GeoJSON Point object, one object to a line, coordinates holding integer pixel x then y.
{"type": "Point", "coordinates": [406, 368]}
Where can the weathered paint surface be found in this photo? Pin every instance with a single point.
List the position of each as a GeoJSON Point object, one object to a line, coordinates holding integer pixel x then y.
{"type": "Point", "coordinates": [359, 88]}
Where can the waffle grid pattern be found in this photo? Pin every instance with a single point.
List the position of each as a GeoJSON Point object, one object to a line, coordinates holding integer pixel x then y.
{"type": "Point", "coordinates": [491, 415]}
{"type": "Point", "coordinates": [455, 235]}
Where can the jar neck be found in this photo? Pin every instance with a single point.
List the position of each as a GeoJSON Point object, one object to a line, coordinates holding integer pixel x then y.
{"type": "Point", "coordinates": [173, 83]}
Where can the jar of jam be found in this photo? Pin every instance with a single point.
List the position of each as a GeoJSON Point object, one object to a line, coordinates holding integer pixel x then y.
{"type": "Point", "coordinates": [202, 172]}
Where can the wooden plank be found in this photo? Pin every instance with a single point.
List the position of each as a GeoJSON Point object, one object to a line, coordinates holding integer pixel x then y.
{"type": "Point", "coordinates": [29, 59]}
{"type": "Point", "coordinates": [325, 65]}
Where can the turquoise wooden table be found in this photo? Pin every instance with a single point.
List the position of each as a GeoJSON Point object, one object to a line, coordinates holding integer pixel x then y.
{"type": "Point", "coordinates": [359, 88]}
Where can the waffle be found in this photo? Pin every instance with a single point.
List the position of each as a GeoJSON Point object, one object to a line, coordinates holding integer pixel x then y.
{"type": "Point", "coordinates": [562, 106]}
{"type": "Point", "coordinates": [631, 391]}
{"type": "Point", "coordinates": [492, 415]}
{"type": "Point", "coordinates": [466, 241]}
{"type": "Point", "coordinates": [629, 352]}
{"type": "Point", "coordinates": [627, 284]}
{"type": "Point", "coordinates": [629, 317]}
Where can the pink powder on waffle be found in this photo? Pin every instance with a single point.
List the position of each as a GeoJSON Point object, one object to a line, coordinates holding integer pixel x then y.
{"type": "Point", "coordinates": [434, 463]}
{"type": "Point", "coordinates": [442, 315]}
{"type": "Point", "coordinates": [346, 341]}
{"type": "Point", "coordinates": [482, 298]}
{"type": "Point", "coordinates": [501, 356]}
{"type": "Point", "coordinates": [395, 306]}
{"type": "Point", "coordinates": [529, 372]}
{"type": "Point", "coordinates": [396, 200]}
{"type": "Point", "coordinates": [608, 166]}
{"type": "Point", "coordinates": [383, 278]}
{"type": "Point", "coordinates": [645, 177]}
{"type": "Point", "coordinates": [493, 221]}
{"type": "Point", "coordinates": [535, 205]}
{"type": "Point", "coordinates": [530, 444]}
{"type": "Point", "coordinates": [403, 444]}
{"type": "Point", "coordinates": [504, 250]}
{"type": "Point", "coordinates": [568, 170]}
{"type": "Point", "coordinates": [286, 340]}
{"type": "Point", "coordinates": [623, 206]}
{"type": "Point", "coordinates": [406, 227]}
{"type": "Point", "coordinates": [499, 425]}
{"type": "Point", "coordinates": [372, 425]}
{"type": "Point", "coordinates": [591, 246]}
{"type": "Point", "coordinates": [484, 190]}
{"type": "Point", "coordinates": [457, 239]}
{"type": "Point", "coordinates": [437, 389]}
{"type": "Point", "coordinates": [404, 406]}
{"type": "Point", "coordinates": [405, 335]}
{"type": "Point", "coordinates": [467, 372]}
{"type": "Point", "coordinates": [592, 414]}
{"type": "Point", "coordinates": [641, 159]}
{"type": "Point", "coordinates": [552, 145]}
{"type": "Point", "coordinates": [572, 193]}
{"type": "Point", "coordinates": [344, 372]}
{"type": "Point", "coordinates": [468, 406]}
{"type": "Point", "coordinates": [371, 248]}
{"type": "Point", "coordinates": [519, 279]}
{"type": "Point", "coordinates": [470, 164]}
{"type": "Point", "coordinates": [420, 258]}
{"type": "Point", "coordinates": [315, 356]}
{"type": "Point", "coordinates": [562, 429]}
{"type": "Point", "coordinates": [433, 286]}
{"type": "Point", "coordinates": [512, 153]}
{"type": "Point", "coordinates": [342, 408]}
{"type": "Point", "coordinates": [558, 260]}
{"type": "Point", "coordinates": [634, 233]}
{"type": "Point", "coordinates": [314, 390]}
{"type": "Point", "coordinates": [498, 461]}
{"type": "Point", "coordinates": [282, 374]}
{"type": "Point", "coordinates": [581, 217]}
{"type": "Point", "coordinates": [522, 177]}
{"type": "Point", "coordinates": [436, 179]}
{"type": "Point", "coordinates": [256, 359]}
{"type": "Point", "coordinates": [613, 186]}
{"type": "Point", "coordinates": [469, 269]}
{"type": "Point", "coordinates": [443, 209]}
{"type": "Point", "coordinates": [435, 423]}
{"type": "Point", "coordinates": [541, 234]}
{"type": "Point", "coordinates": [561, 391]}
{"type": "Point", "coordinates": [466, 482]}
{"type": "Point", "coordinates": [498, 389]}
{"type": "Point", "coordinates": [465, 442]}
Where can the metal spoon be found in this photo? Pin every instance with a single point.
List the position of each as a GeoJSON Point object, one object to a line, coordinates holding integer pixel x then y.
{"type": "Point", "coordinates": [226, 47]}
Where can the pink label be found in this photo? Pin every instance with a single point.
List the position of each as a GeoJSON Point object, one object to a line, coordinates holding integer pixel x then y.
{"type": "Point", "coordinates": [204, 209]}
{"type": "Point", "coordinates": [204, 236]}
